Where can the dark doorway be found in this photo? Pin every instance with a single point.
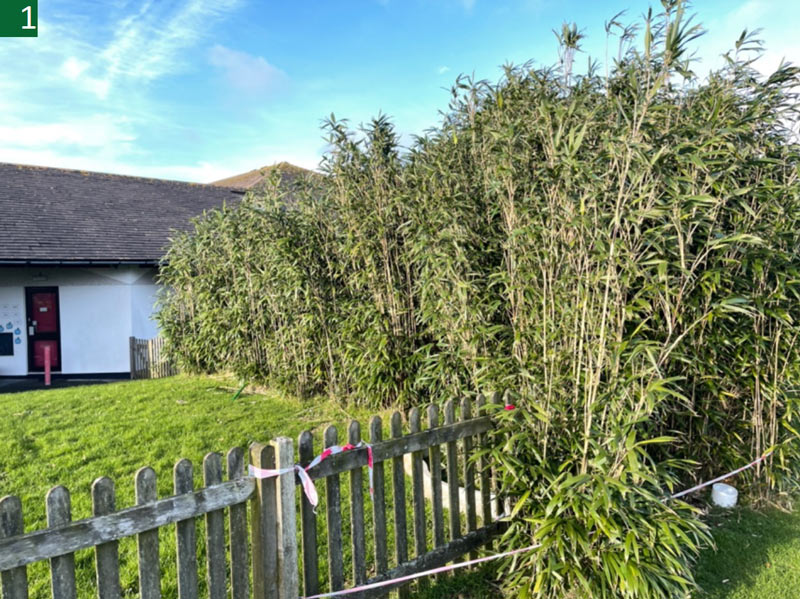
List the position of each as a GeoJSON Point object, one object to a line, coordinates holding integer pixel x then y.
{"type": "Point", "coordinates": [44, 327]}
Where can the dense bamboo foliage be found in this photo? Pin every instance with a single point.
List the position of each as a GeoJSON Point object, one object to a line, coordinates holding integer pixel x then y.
{"type": "Point", "coordinates": [619, 251]}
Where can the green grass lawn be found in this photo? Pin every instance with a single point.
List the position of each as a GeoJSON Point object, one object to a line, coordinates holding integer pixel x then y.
{"type": "Point", "coordinates": [757, 557]}
{"type": "Point", "coordinates": [71, 436]}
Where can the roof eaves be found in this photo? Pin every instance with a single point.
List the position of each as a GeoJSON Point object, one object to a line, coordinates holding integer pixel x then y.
{"type": "Point", "coordinates": [78, 262]}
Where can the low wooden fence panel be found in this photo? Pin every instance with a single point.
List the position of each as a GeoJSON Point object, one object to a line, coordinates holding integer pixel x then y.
{"type": "Point", "coordinates": [429, 547]}
{"type": "Point", "coordinates": [263, 548]}
{"type": "Point", "coordinates": [149, 360]}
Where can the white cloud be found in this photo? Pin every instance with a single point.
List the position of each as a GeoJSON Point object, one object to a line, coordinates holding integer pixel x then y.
{"type": "Point", "coordinates": [145, 45]}
{"type": "Point", "coordinates": [86, 146]}
{"type": "Point", "coordinates": [149, 44]}
{"type": "Point", "coordinates": [442, 70]}
{"type": "Point", "coordinates": [73, 98]}
{"type": "Point", "coordinates": [749, 11]}
{"type": "Point", "coordinates": [245, 72]}
{"type": "Point", "coordinates": [73, 67]}
{"type": "Point", "coordinates": [776, 21]}
{"type": "Point", "coordinates": [771, 59]}
{"type": "Point", "coordinates": [202, 172]}
{"type": "Point", "coordinates": [96, 131]}
{"type": "Point", "coordinates": [28, 67]}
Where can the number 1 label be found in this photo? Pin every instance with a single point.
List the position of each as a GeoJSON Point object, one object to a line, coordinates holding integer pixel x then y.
{"type": "Point", "coordinates": [27, 9]}
{"type": "Point", "coordinates": [19, 18]}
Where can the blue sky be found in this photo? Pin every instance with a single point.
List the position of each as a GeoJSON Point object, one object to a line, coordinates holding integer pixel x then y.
{"type": "Point", "coordinates": [202, 89]}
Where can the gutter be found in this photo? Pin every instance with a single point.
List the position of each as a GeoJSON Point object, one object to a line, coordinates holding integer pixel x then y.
{"type": "Point", "coordinates": [79, 262]}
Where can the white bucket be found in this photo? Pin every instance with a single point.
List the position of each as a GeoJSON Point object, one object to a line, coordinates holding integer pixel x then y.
{"type": "Point", "coordinates": [724, 495]}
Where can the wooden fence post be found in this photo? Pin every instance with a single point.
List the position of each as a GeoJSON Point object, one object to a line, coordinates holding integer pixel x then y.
{"type": "Point", "coordinates": [288, 575]}
{"type": "Point", "coordinates": [132, 349]}
{"type": "Point", "coordinates": [495, 439]}
{"type": "Point", "coordinates": [264, 538]}
{"type": "Point", "coordinates": [484, 470]}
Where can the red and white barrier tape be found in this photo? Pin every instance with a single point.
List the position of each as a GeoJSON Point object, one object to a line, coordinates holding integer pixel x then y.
{"type": "Point", "coordinates": [334, 449]}
{"type": "Point", "coordinates": [308, 485]}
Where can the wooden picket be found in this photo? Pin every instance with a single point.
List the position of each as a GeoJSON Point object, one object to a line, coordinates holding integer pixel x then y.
{"type": "Point", "coordinates": [271, 556]}
{"type": "Point", "coordinates": [147, 541]}
{"type": "Point", "coordinates": [15, 580]}
{"type": "Point", "coordinates": [215, 532]}
{"type": "Point", "coordinates": [308, 521]}
{"type": "Point", "coordinates": [378, 502]}
{"type": "Point", "coordinates": [237, 527]}
{"type": "Point", "coordinates": [334, 520]}
{"type": "Point", "coordinates": [106, 554]}
{"type": "Point", "coordinates": [358, 535]}
{"type": "Point", "coordinates": [399, 501]}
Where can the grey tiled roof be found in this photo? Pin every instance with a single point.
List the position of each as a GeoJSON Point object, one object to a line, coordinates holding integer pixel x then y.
{"type": "Point", "coordinates": [51, 214]}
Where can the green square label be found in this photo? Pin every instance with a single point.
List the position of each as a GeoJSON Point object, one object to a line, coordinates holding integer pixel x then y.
{"type": "Point", "coordinates": [19, 18]}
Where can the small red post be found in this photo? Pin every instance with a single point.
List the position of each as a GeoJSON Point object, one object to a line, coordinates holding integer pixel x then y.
{"type": "Point", "coordinates": [47, 365]}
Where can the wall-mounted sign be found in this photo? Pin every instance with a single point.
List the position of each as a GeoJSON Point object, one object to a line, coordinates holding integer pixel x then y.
{"type": "Point", "coordinates": [6, 344]}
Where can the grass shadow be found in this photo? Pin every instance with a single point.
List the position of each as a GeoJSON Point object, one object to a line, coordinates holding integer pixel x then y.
{"type": "Point", "coordinates": [757, 556]}
{"type": "Point", "coordinates": [464, 584]}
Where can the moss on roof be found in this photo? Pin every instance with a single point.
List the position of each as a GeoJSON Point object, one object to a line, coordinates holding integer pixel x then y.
{"type": "Point", "coordinates": [250, 179]}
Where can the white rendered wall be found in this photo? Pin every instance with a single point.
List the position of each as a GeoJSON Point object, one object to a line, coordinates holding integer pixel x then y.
{"type": "Point", "coordinates": [143, 299]}
{"type": "Point", "coordinates": [100, 308]}
{"type": "Point", "coordinates": [95, 326]}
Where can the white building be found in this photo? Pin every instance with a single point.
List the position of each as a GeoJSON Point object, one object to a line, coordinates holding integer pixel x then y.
{"type": "Point", "coordinates": [79, 253]}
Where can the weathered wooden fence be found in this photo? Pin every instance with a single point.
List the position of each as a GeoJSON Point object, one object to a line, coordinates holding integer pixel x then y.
{"type": "Point", "coordinates": [265, 550]}
{"type": "Point", "coordinates": [148, 359]}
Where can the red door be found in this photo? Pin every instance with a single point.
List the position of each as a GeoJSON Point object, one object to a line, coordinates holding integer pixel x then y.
{"type": "Point", "coordinates": [43, 327]}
